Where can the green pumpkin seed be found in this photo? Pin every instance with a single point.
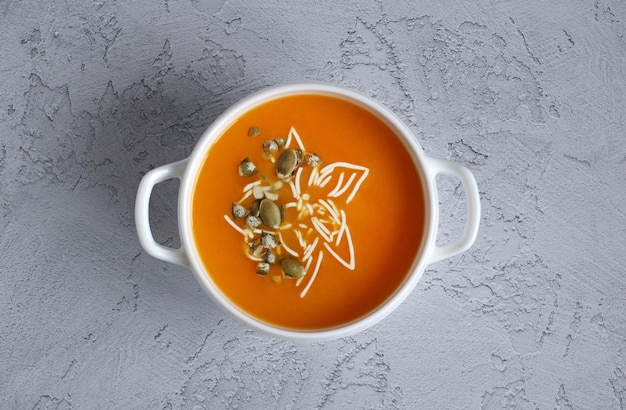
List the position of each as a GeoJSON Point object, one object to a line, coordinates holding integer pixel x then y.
{"type": "Point", "coordinates": [253, 221]}
{"type": "Point", "coordinates": [287, 163]}
{"type": "Point", "coordinates": [254, 132]}
{"type": "Point", "coordinates": [292, 268]}
{"type": "Point", "coordinates": [239, 211]}
{"type": "Point", "coordinates": [269, 149]}
{"type": "Point", "coordinates": [263, 268]}
{"type": "Point", "coordinates": [247, 168]}
{"type": "Point", "coordinates": [257, 250]}
{"type": "Point", "coordinates": [270, 213]}
{"type": "Point", "coordinates": [252, 245]}
{"type": "Point", "coordinates": [269, 257]}
{"type": "Point", "coordinates": [270, 145]}
{"type": "Point", "coordinates": [254, 207]}
{"type": "Point", "coordinates": [269, 241]}
{"type": "Point", "coordinates": [314, 160]}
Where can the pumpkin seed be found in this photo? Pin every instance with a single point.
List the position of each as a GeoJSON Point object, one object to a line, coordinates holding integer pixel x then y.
{"type": "Point", "coordinates": [287, 163]}
{"type": "Point", "coordinates": [247, 168]}
{"type": "Point", "coordinates": [292, 268]}
{"type": "Point", "coordinates": [254, 131]}
{"type": "Point", "coordinates": [270, 145]}
{"type": "Point", "coordinates": [270, 213]}
{"type": "Point", "coordinates": [239, 211]}
{"type": "Point", "coordinates": [269, 257]}
{"type": "Point", "coordinates": [253, 221]}
{"type": "Point", "coordinates": [269, 149]}
{"type": "Point", "coordinates": [263, 268]}
{"type": "Point", "coordinates": [253, 244]}
{"type": "Point", "coordinates": [314, 160]}
{"type": "Point", "coordinates": [269, 241]}
{"type": "Point", "coordinates": [257, 249]}
{"type": "Point", "coordinates": [254, 207]}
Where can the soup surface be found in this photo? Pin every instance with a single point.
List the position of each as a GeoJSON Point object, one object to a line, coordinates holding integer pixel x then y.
{"type": "Point", "coordinates": [308, 212]}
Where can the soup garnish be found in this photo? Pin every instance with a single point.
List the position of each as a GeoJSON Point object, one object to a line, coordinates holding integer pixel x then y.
{"type": "Point", "coordinates": [288, 216]}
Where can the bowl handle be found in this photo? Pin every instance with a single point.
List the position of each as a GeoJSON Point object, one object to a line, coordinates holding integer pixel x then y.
{"type": "Point", "coordinates": [142, 213]}
{"type": "Point", "coordinates": [467, 238]}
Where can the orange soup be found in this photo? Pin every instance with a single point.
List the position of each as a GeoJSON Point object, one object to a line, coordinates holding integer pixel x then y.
{"type": "Point", "coordinates": [308, 212]}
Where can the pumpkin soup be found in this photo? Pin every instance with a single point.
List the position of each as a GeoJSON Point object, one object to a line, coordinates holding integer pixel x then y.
{"type": "Point", "coordinates": [308, 212]}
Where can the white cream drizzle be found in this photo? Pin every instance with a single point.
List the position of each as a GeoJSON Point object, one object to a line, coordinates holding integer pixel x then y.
{"type": "Point", "coordinates": [292, 131]}
{"type": "Point", "coordinates": [350, 265]}
{"type": "Point", "coordinates": [254, 258]}
{"type": "Point", "coordinates": [320, 256]}
{"type": "Point", "coordinates": [342, 228]}
{"type": "Point", "coordinates": [310, 248]}
{"type": "Point", "coordinates": [321, 229]}
{"type": "Point", "coordinates": [331, 167]}
{"type": "Point", "coordinates": [301, 241]}
{"type": "Point", "coordinates": [324, 180]}
{"type": "Point", "coordinates": [234, 225]}
{"type": "Point", "coordinates": [298, 175]}
{"type": "Point", "coordinates": [330, 209]}
{"type": "Point", "coordinates": [338, 186]}
{"type": "Point", "coordinates": [285, 247]}
{"type": "Point", "coordinates": [294, 190]}
{"type": "Point", "coordinates": [313, 176]}
{"type": "Point", "coordinates": [345, 187]}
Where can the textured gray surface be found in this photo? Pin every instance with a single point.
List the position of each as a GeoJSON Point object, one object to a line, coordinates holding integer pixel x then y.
{"type": "Point", "coordinates": [529, 95]}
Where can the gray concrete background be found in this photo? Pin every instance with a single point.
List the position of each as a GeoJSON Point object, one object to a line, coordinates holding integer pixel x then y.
{"type": "Point", "coordinates": [529, 95]}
